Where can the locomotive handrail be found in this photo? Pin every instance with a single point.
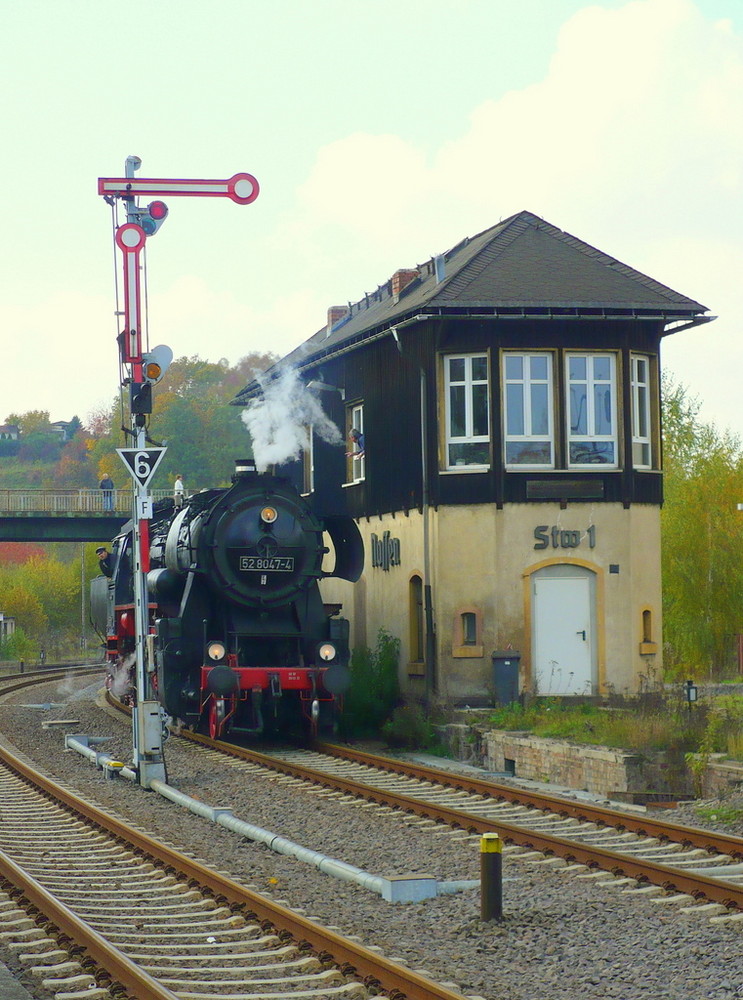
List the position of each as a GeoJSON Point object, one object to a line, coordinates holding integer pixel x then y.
{"type": "Point", "coordinates": [69, 501]}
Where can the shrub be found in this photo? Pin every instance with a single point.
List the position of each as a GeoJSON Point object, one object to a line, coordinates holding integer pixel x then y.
{"type": "Point", "coordinates": [375, 688]}
{"type": "Point", "coordinates": [17, 647]}
{"type": "Point", "coordinates": [409, 727]}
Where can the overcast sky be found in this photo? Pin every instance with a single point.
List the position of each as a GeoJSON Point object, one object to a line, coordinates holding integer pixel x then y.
{"type": "Point", "coordinates": [381, 132]}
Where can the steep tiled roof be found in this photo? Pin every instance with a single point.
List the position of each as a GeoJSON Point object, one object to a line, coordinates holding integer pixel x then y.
{"type": "Point", "coordinates": [521, 265]}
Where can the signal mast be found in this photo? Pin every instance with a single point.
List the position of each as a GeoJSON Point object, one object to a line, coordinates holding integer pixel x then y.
{"type": "Point", "coordinates": [146, 368]}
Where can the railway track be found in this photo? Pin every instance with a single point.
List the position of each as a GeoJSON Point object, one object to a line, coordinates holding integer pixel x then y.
{"type": "Point", "coordinates": [143, 920]}
{"type": "Point", "coordinates": [696, 867]}
{"type": "Point", "coordinates": [554, 927]}
{"type": "Point", "coordinates": [10, 683]}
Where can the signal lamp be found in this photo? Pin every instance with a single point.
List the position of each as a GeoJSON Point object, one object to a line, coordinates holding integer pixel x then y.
{"type": "Point", "coordinates": [141, 397]}
{"type": "Point", "coordinates": [269, 515]}
{"type": "Point", "coordinates": [326, 651]}
{"type": "Point", "coordinates": [156, 362]}
{"type": "Point", "coordinates": [157, 209]}
{"type": "Point", "coordinates": [152, 217]}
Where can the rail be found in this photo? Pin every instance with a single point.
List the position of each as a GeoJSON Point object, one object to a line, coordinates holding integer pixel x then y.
{"type": "Point", "coordinates": [80, 501]}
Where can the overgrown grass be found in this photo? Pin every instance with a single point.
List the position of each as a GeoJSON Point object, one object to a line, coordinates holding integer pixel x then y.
{"type": "Point", "coordinates": [727, 815]}
{"type": "Point", "coordinates": [639, 726]}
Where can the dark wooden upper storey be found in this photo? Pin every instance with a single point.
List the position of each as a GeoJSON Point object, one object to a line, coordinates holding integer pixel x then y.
{"type": "Point", "coordinates": [520, 366]}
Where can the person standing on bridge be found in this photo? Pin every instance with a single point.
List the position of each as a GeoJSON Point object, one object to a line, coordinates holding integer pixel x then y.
{"type": "Point", "coordinates": [107, 485]}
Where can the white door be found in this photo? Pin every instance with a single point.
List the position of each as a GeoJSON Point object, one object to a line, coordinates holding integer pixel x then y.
{"type": "Point", "coordinates": [563, 636]}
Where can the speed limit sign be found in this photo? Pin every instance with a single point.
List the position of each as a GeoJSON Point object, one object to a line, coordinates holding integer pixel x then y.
{"type": "Point", "coordinates": [141, 462]}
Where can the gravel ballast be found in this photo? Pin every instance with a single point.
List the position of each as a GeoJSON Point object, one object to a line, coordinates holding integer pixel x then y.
{"type": "Point", "coordinates": [562, 936]}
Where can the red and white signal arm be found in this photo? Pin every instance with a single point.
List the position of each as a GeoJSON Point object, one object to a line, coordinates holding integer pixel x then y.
{"type": "Point", "coordinates": [240, 188]}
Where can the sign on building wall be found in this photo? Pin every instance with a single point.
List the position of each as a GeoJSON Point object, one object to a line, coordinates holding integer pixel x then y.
{"type": "Point", "coordinates": [385, 551]}
{"type": "Point", "coordinates": [563, 538]}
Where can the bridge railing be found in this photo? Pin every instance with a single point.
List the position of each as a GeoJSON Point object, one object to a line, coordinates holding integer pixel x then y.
{"type": "Point", "coordinates": [80, 501]}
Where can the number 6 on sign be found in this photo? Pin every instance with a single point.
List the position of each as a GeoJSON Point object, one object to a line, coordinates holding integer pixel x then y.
{"type": "Point", "coordinates": [141, 463]}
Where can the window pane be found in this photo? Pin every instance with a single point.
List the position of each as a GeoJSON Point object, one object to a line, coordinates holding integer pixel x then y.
{"type": "Point", "coordinates": [528, 453]}
{"type": "Point", "coordinates": [514, 409]}
{"type": "Point", "coordinates": [457, 411]}
{"type": "Point", "coordinates": [539, 409]}
{"type": "Point", "coordinates": [539, 367]}
{"type": "Point", "coordinates": [592, 452]}
{"type": "Point", "coordinates": [480, 369]}
{"type": "Point", "coordinates": [514, 366]}
{"type": "Point", "coordinates": [469, 454]}
{"type": "Point", "coordinates": [640, 454]}
{"type": "Point", "coordinates": [479, 410]}
{"type": "Point", "coordinates": [578, 417]}
{"type": "Point", "coordinates": [602, 409]}
{"type": "Point", "coordinates": [642, 369]}
{"type": "Point", "coordinates": [577, 368]}
{"type": "Point", "coordinates": [469, 628]}
{"type": "Point", "coordinates": [642, 415]}
{"type": "Point", "coordinates": [456, 369]}
{"type": "Point", "coordinates": [602, 368]}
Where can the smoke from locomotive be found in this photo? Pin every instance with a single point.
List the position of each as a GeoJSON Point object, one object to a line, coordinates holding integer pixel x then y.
{"type": "Point", "coordinates": [239, 638]}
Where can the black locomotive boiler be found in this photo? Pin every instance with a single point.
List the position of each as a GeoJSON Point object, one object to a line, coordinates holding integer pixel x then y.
{"type": "Point", "coordinates": [238, 635]}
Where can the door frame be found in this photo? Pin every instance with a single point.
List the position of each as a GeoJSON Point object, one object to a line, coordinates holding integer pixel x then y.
{"type": "Point", "coordinates": [528, 653]}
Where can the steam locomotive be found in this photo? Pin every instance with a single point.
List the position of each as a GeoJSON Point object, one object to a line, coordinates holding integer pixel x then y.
{"type": "Point", "coordinates": [238, 636]}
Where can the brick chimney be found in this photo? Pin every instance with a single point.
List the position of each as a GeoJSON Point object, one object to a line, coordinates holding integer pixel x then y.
{"type": "Point", "coordinates": [334, 314]}
{"type": "Point", "coordinates": [402, 278]}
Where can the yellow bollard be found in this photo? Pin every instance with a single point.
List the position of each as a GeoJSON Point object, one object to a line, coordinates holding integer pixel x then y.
{"type": "Point", "coordinates": [491, 877]}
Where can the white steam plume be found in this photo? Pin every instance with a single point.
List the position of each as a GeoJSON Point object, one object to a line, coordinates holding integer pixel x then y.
{"type": "Point", "coordinates": [279, 420]}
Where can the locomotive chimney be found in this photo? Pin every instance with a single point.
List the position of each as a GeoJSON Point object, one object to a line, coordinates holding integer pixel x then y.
{"type": "Point", "coordinates": [243, 467]}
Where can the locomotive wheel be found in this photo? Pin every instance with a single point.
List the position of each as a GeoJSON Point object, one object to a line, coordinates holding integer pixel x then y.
{"type": "Point", "coordinates": [217, 713]}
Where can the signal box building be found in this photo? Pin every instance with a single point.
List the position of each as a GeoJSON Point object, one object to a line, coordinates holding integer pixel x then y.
{"type": "Point", "coordinates": [508, 483]}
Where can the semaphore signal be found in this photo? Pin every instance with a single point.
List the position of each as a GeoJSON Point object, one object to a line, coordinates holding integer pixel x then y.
{"type": "Point", "coordinates": [146, 368]}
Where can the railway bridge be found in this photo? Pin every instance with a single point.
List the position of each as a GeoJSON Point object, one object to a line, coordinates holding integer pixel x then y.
{"type": "Point", "coordinates": [72, 515]}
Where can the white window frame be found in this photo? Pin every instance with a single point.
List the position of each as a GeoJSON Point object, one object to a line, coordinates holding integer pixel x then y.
{"type": "Point", "coordinates": [468, 382]}
{"type": "Point", "coordinates": [591, 383]}
{"type": "Point", "coordinates": [641, 411]}
{"type": "Point", "coordinates": [357, 469]}
{"type": "Point", "coordinates": [526, 382]}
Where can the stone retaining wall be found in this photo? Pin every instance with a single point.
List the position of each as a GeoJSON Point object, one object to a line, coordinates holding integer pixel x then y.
{"type": "Point", "coordinates": [600, 770]}
{"type": "Point", "coordinates": [721, 777]}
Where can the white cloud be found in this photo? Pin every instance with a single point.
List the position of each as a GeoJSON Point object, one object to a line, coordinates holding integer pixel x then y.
{"type": "Point", "coordinates": [633, 141]}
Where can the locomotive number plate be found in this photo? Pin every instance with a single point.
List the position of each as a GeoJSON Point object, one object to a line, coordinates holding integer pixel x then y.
{"type": "Point", "coordinates": [272, 564]}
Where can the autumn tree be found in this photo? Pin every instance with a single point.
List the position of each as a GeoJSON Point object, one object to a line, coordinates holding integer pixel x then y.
{"type": "Point", "coordinates": [17, 553]}
{"type": "Point", "coordinates": [20, 602]}
{"type": "Point", "coordinates": [702, 538]}
{"type": "Point", "coordinates": [31, 422]}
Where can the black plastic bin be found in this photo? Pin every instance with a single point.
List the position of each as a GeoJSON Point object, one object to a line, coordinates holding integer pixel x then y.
{"type": "Point", "coordinates": [506, 676]}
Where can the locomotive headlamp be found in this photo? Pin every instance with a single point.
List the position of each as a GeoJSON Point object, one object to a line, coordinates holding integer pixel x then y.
{"type": "Point", "coordinates": [216, 651]}
{"type": "Point", "coordinates": [326, 651]}
{"type": "Point", "coordinates": [269, 515]}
